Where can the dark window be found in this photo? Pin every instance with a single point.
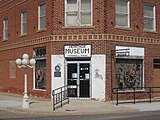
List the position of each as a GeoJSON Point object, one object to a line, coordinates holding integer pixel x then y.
{"type": "Point", "coordinates": [156, 63]}
{"type": "Point", "coordinates": [40, 52]}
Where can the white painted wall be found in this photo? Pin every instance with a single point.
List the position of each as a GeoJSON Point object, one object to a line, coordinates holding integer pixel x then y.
{"type": "Point", "coordinates": [98, 70]}
{"type": "Point", "coordinates": [57, 81]}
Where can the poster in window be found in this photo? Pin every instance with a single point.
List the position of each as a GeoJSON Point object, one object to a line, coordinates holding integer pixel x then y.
{"type": "Point", "coordinates": [129, 73]}
{"type": "Point", "coordinates": [40, 74]}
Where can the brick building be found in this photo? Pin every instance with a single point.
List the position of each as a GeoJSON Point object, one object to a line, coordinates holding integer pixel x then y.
{"type": "Point", "coordinates": [90, 45]}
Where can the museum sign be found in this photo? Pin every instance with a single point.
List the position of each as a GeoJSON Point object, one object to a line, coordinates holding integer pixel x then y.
{"type": "Point", "coordinates": [77, 51]}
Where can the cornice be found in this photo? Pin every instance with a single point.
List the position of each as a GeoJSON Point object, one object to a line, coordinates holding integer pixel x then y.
{"type": "Point", "coordinates": [80, 37]}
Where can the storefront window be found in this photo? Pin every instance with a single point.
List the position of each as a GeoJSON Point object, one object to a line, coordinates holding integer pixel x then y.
{"type": "Point", "coordinates": [40, 68]}
{"type": "Point", "coordinates": [129, 73]}
{"type": "Point", "coordinates": [40, 74]}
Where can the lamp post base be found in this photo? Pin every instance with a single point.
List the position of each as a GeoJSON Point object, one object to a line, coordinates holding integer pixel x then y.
{"type": "Point", "coordinates": [25, 102]}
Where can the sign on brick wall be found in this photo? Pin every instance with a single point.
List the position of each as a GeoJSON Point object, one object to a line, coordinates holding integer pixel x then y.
{"type": "Point", "coordinates": [12, 69]}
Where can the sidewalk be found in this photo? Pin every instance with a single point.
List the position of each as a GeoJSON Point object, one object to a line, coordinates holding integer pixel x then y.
{"type": "Point", "coordinates": [42, 107]}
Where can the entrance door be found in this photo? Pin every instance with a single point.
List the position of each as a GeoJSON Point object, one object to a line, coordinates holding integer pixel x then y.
{"type": "Point", "coordinates": [157, 81]}
{"type": "Point", "coordinates": [78, 79]}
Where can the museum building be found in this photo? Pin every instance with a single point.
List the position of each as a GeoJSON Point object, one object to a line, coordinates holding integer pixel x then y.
{"type": "Point", "coordinates": [92, 46]}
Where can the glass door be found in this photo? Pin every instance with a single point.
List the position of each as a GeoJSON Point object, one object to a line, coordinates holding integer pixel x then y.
{"type": "Point", "coordinates": [78, 79]}
{"type": "Point", "coordinates": [72, 79]}
{"type": "Point", "coordinates": [84, 80]}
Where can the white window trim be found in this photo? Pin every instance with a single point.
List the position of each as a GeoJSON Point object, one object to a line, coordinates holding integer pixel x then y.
{"type": "Point", "coordinates": [34, 86]}
{"type": "Point", "coordinates": [39, 6]}
{"type": "Point", "coordinates": [22, 32]}
{"type": "Point", "coordinates": [34, 78]}
{"type": "Point", "coordinates": [4, 29]}
{"type": "Point", "coordinates": [154, 19]}
{"type": "Point", "coordinates": [79, 16]}
{"type": "Point", "coordinates": [128, 13]}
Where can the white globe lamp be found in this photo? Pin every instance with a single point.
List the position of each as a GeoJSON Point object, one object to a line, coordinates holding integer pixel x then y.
{"type": "Point", "coordinates": [18, 61]}
{"type": "Point", "coordinates": [32, 62]}
{"type": "Point", "coordinates": [25, 56]}
{"type": "Point", "coordinates": [25, 62]}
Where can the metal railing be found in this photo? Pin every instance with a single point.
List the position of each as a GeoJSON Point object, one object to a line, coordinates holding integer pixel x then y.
{"type": "Point", "coordinates": [134, 91]}
{"type": "Point", "coordinates": [60, 97]}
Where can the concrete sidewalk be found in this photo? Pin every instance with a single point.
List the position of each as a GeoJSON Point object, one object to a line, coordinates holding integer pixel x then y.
{"type": "Point", "coordinates": [75, 107]}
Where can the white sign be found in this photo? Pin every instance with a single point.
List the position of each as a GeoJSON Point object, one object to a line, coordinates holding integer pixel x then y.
{"type": "Point", "coordinates": [77, 51]}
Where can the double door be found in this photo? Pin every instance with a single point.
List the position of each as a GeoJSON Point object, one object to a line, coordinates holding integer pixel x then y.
{"type": "Point", "coordinates": [78, 79]}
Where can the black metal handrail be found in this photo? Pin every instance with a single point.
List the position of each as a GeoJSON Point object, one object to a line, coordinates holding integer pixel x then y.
{"type": "Point", "coordinates": [134, 91]}
{"type": "Point", "coordinates": [60, 96]}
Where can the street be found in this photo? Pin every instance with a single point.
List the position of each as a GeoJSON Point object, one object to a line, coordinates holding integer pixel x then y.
{"type": "Point", "coordinates": [154, 115]}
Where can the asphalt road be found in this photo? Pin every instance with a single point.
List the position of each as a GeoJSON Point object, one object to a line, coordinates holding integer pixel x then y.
{"type": "Point", "coordinates": [154, 115]}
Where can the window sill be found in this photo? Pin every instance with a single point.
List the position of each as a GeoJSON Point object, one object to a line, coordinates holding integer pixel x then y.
{"type": "Point", "coordinates": [79, 27]}
{"type": "Point", "coordinates": [131, 91]}
{"type": "Point", "coordinates": [23, 35]}
{"type": "Point", "coordinates": [41, 30]}
{"type": "Point", "coordinates": [4, 40]}
{"type": "Point", "coordinates": [39, 90]}
{"type": "Point", "coordinates": [123, 28]}
{"type": "Point", "coordinates": [150, 31]}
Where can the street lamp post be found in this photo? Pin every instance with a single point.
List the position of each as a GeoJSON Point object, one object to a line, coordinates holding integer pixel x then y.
{"type": "Point", "coordinates": [25, 63]}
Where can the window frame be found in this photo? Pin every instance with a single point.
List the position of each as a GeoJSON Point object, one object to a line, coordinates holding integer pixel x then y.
{"type": "Point", "coordinates": [38, 58]}
{"type": "Point", "coordinates": [39, 16]}
{"type": "Point", "coordinates": [122, 60]}
{"type": "Point", "coordinates": [149, 17]}
{"type": "Point", "coordinates": [79, 14]}
{"type": "Point", "coordinates": [23, 22]}
{"type": "Point", "coordinates": [120, 13]}
{"type": "Point", "coordinates": [5, 29]}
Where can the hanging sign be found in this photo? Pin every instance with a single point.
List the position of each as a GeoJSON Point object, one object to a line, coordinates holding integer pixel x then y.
{"type": "Point", "coordinates": [77, 51]}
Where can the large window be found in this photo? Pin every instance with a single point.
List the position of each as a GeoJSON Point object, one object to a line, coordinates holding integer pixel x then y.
{"type": "Point", "coordinates": [40, 68]}
{"type": "Point", "coordinates": [42, 16]}
{"type": "Point", "coordinates": [78, 12]}
{"type": "Point", "coordinates": [23, 23]}
{"type": "Point", "coordinates": [129, 73]}
{"type": "Point", "coordinates": [122, 13]}
{"type": "Point", "coordinates": [149, 18]}
{"type": "Point", "coordinates": [5, 29]}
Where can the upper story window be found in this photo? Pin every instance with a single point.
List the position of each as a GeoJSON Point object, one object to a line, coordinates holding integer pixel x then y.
{"type": "Point", "coordinates": [42, 16]}
{"type": "Point", "coordinates": [23, 23]}
{"type": "Point", "coordinates": [78, 12]}
{"type": "Point", "coordinates": [149, 18]}
{"type": "Point", "coordinates": [5, 29]}
{"type": "Point", "coordinates": [122, 13]}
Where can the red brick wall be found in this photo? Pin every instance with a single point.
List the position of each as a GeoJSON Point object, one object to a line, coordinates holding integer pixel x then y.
{"type": "Point", "coordinates": [103, 19]}
{"type": "Point", "coordinates": [14, 19]}
{"type": "Point", "coordinates": [136, 19]}
{"type": "Point", "coordinates": [58, 25]}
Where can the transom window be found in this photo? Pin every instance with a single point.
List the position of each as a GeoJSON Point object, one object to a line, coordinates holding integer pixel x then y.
{"type": "Point", "coordinates": [78, 12]}
{"type": "Point", "coordinates": [39, 52]}
{"type": "Point", "coordinates": [42, 16]}
{"type": "Point", "coordinates": [122, 13]}
{"type": "Point", "coordinates": [23, 23]}
{"type": "Point", "coordinates": [5, 29]}
{"type": "Point", "coordinates": [149, 18]}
